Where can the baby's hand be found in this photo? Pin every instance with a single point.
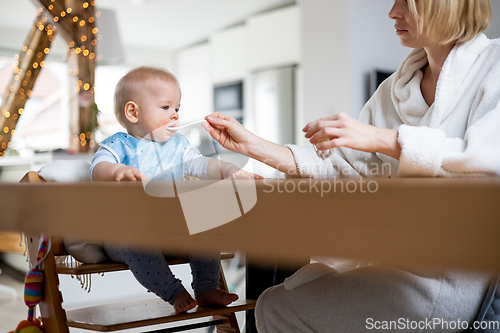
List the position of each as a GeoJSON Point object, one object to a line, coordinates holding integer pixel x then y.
{"type": "Point", "coordinates": [125, 172]}
{"type": "Point", "coordinates": [242, 174]}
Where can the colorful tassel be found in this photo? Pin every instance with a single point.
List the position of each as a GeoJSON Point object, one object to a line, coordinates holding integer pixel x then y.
{"type": "Point", "coordinates": [33, 282]}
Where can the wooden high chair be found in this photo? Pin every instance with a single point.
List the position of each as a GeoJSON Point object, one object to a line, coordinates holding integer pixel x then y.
{"type": "Point", "coordinates": [122, 315]}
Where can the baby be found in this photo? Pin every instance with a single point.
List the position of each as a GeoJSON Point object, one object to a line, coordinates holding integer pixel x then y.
{"type": "Point", "coordinates": [147, 103]}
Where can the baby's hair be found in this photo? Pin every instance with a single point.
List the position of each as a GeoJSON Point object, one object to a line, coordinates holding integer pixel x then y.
{"type": "Point", "coordinates": [134, 83]}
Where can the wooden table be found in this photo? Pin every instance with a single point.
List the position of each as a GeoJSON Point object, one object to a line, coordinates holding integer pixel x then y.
{"type": "Point", "coordinates": [454, 222]}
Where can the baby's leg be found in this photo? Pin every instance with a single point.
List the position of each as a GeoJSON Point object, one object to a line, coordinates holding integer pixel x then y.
{"type": "Point", "coordinates": [206, 273]}
{"type": "Point", "coordinates": [151, 269]}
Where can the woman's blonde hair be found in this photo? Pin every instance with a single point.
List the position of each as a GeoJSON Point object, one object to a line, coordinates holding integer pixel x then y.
{"type": "Point", "coordinates": [134, 84]}
{"type": "Point", "coordinates": [451, 21]}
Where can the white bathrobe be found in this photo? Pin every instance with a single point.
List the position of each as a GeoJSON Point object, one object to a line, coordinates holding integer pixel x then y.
{"type": "Point", "coordinates": [458, 136]}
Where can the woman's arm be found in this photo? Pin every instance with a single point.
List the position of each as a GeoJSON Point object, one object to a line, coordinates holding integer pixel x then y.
{"type": "Point", "coordinates": [233, 136]}
{"type": "Point", "coordinates": [344, 131]}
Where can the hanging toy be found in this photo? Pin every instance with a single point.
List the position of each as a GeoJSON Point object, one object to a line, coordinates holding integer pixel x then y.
{"type": "Point", "coordinates": [33, 284]}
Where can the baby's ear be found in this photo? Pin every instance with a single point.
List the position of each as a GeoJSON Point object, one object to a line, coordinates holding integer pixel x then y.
{"type": "Point", "coordinates": [131, 112]}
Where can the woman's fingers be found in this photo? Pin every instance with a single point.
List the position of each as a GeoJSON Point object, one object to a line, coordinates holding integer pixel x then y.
{"type": "Point", "coordinates": [320, 126]}
{"type": "Point", "coordinates": [327, 133]}
{"type": "Point", "coordinates": [325, 119]}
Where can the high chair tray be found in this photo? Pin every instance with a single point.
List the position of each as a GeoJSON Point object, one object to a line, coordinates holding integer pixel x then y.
{"type": "Point", "coordinates": [124, 315]}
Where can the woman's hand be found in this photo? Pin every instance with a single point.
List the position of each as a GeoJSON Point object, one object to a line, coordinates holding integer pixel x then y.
{"type": "Point", "coordinates": [229, 133]}
{"type": "Point", "coordinates": [344, 131]}
{"type": "Point", "coordinates": [233, 136]}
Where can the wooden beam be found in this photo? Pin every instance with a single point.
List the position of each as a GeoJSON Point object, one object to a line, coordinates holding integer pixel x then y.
{"type": "Point", "coordinates": [30, 61]}
{"type": "Point", "coordinates": [75, 20]}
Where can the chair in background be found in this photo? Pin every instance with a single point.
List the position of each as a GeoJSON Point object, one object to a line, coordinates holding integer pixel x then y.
{"type": "Point", "coordinates": [123, 315]}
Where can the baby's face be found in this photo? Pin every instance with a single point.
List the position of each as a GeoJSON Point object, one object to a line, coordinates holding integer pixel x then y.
{"type": "Point", "coordinates": [158, 109]}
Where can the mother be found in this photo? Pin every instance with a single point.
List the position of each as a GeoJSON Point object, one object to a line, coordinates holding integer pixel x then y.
{"type": "Point", "coordinates": [438, 115]}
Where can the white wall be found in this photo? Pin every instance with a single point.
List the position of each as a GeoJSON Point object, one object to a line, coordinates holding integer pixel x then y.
{"type": "Point", "coordinates": [325, 59]}
{"type": "Point", "coordinates": [373, 44]}
{"type": "Point", "coordinates": [274, 38]}
{"type": "Point", "coordinates": [494, 29]}
{"type": "Point", "coordinates": [192, 68]}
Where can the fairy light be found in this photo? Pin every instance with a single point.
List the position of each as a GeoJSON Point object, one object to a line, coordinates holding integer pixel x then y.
{"type": "Point", "coordinates": [63, 13]}
{"type": "Point", "coordinates": [83, 39]}
{"type": "Point", "coordinates": [86, 86]}
{"type": "Point", "coordinates": [20, 111]}
{"type": "Point", "coordinates": [85, 4]}
{"type": "Point", "coordinates": [95, 30]}
{"type": "Point", "coordinates": [6, 130]}
{"type": "Point", "coordinates": [82, 23]}
{"type": "Point", "coordinates": [46, 50]}
{"type": "Point", "coordinates": [51, 7]}
{"type": "Point", "coordinates": [69, 10]}
{"type": "Point", "coordinates": [82, 136]}
{"type": "Point", "coordinates": [35, 65]}
{"type": "Point", "coordinates": [75, 19]}
{"type": "Point", "coordinates": [56, 18]}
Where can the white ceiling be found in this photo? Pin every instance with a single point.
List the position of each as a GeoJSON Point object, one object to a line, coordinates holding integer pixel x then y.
{"type": "Point", "coordinates": [163, 24]}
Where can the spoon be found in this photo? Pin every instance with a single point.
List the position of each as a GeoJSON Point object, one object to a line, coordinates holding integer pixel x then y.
{"type": "Point", "coordinates": [176, 128]}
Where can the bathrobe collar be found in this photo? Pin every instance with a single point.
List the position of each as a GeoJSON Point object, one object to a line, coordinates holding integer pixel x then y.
{"type": "Point", "coordinates": [407, 96]}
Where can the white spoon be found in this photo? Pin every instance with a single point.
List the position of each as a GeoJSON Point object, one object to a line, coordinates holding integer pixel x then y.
{"type": "Point", "coordinates": [176, 128]}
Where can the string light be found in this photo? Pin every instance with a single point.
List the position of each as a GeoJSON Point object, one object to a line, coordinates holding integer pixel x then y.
{"type": "Point", "coordinates": [69, 10]}
{"type": "Point", "coordinates": [85, 4]}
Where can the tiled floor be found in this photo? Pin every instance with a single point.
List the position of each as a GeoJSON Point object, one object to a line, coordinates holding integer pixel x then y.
{"type": "Point", "coordinates": [12, 307]}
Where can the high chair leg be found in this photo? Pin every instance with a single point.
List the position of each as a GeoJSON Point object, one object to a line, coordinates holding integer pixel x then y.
{"type": "Point", "coordinates": [230, 324]}
{"type": "Point", "coordinates": [53, 315]}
